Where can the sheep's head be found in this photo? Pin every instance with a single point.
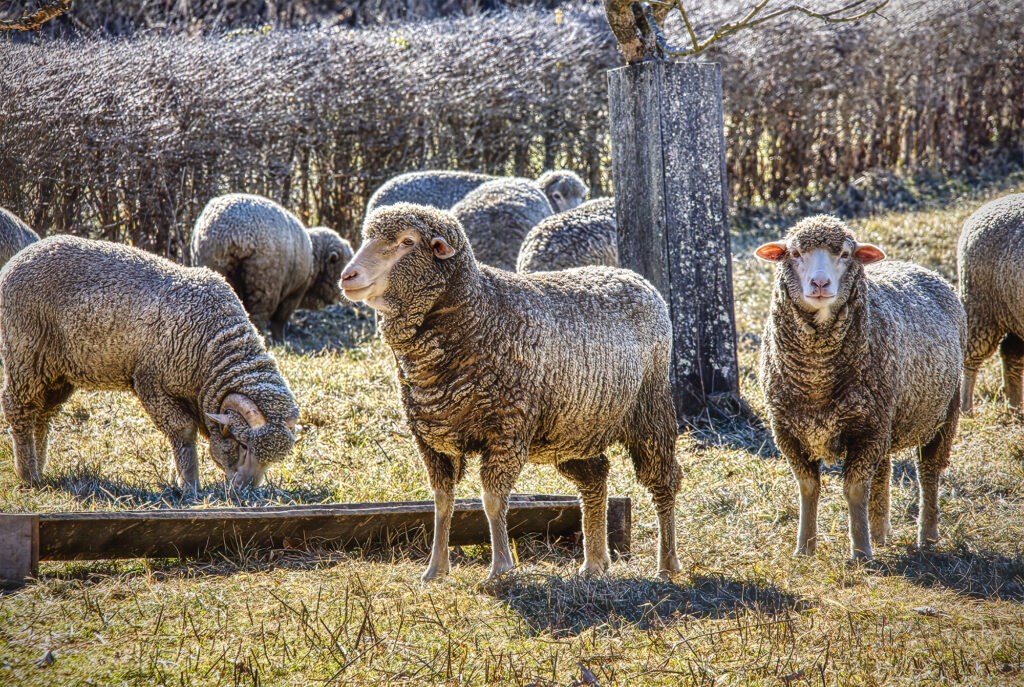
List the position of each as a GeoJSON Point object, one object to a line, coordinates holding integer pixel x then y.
{"type": "Point", "coordinates": [820, 262]}
{"type": "Point", "coordinates": [330, 254]}
{"type": "Point", "coordinates": [408, 255]}
{"type": "Point", "coordinates": [563, 188]}
{"type": "Point", "coordinates": [243, 442]}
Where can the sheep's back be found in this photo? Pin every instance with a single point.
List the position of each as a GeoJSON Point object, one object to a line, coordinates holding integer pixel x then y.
{"type": "Point", "coordinates": [498, 215]}
{"type": "Point", "coordinates": [595, 337]}
{"type": "Point", "coordinates": [93, 311]}
{"type": "Point", "coordinates": [237, 227]}
{"type": "Point", "coordinates": [991, 261]}
{"type": "Point", "coordinates": [435, 188]}
{"type": "Point", "coordinates": [586, 235]}
{"type": "Point", "coordinates": [917, 337]}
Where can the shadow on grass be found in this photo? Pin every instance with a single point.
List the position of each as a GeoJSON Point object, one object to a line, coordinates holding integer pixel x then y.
{"type": "Point", "coordinates": [978, 575]}
{"type": "Point", "coordinates": [100, 493]}
{"type": "Point", "coordinates": [335, 328]}
{"type": "Point", "coordinates": [572, 605]}
{"type": "Point", "coordinates": [731, 424]}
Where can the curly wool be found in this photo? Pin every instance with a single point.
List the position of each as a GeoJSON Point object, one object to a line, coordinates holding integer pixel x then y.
{"type": "Point", "coordinates": [442, 189]}
{"type": "Point", "coordinates": [14, 235]}
{"type": "Point", "coordinates": [991, 275]}
{"type": "Point", "coordinates": [554, 366]}
{"type": "Point", "coordinates": [881, 374]}
{"type": "Point", "coordinates": [498, 215]}
{"type": "Point", "coordinates": [274, 264]}
{"type": "Point", "coordinates": [81, 314]}
{"type": "Point", "coordinates": [582, 236]}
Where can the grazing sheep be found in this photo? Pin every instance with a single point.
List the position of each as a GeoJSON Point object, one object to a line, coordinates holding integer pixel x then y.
{"type": "Point", "coordinates": [14, 235]}
{"type": "Point", "coordinates": [273, 263]}
{"type": "Point", "coordinates": [81, 314]}
{"type": "Point", "coordinates": [443, 189]}
{"type": "Point", "coordinates": [582, 236]}
{"type": "Point", "coordinates": [498, 215]}
{"type": "Point", "coordinates": [544, 368]}
{"type": "Point", "coordinates": [856, 364]}
{"type": "Point", "coordinates": [991, 275]}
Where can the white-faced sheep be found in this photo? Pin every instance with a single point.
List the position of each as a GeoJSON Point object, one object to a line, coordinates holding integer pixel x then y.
{"type": "Point", "coordinates": [991, 275]}
{"type": "Point", "coordinates": [14, 235]}
{"type": "Point", "coordinates": [575, 238]}
{"type": "Point", "coordinates": [443, 189]}
{"type": "Point", "coordinates": [857, 363]}
{"type": "Point", "coordinates": [81, 314]}
{"type": "Point", "coordinates": [497, 216]}
{"type": "Point", "coordinates": [274, 264]}
{"type": "Point", "coordinates": [545, 368]}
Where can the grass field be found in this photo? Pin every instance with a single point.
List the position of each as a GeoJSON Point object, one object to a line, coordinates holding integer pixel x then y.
{"type": "Point", "coordinates": [744, 611]}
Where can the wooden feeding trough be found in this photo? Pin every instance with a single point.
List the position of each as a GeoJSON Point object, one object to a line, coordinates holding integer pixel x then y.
{"type": "Point", "coordinates": [26, 539]}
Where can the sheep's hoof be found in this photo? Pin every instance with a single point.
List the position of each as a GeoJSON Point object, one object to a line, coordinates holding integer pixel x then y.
{"type": "Point", "coordinates": [593, 568]}
{"type": "Point", "coordinates": [807, 549]}
{"type": "Point", "coordinates": [669, 567]}
{"type": "Point", "coordinates": [497, 570]}
{"type": "Point", "coordinates": [858, 556]}
{"type": "Point", "coordinates": [434, 572]}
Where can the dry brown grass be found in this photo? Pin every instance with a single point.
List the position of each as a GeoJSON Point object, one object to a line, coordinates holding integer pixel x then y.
{"type": "Point", "coordinates": [745, 611]}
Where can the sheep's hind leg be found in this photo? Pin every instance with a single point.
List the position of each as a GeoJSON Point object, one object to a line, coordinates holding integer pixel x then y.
{"type": "Point", "coordinates": [650, 441]}
{"type": "Point", "coordinates": [22, 419]}
{"type": "Point", "coordinates": [590, 476]}
{"type": "Point", "coordinates": [1011, 350]}
{"type": "Point", "coordinates": [982, 338]}
{"type": "Point", "coordinates": [878, 503]}
{"type": "Point", "coordinates": [933, 458]}
{"type": "Point", "coordinates": [498, 473]}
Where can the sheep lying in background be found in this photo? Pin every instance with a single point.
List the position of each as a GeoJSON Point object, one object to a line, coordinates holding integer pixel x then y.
{"type": "Point", "coordinates": [273, 263]}
{"type": "Point", "coordinates": [856, 364]}
{"type": "Point", "coordinates": [582, 236]}
{"type": "Point", "coordinates": [14, 235]}
{"type": "Point", "coordinates": [545, 368]}
{"type": "Point", "coordinates": [498, 215]}
{"type": "Point", "coordinates": [80, 314]}
{"type": "Point", "coordinates": [443, 189]}
{"type": "Point", "coordinates": [991, 275]}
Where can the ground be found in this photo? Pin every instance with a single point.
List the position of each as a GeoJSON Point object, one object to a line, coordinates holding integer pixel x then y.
{"type": "Point", "coordinates": [744, 611]}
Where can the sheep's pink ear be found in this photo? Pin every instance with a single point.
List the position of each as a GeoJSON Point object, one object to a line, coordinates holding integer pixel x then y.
{"type": "Point", "coordinates": [865, 253]}
{"type": "Point", "coordinates": [771, 252]}
{"type": "Point", "coordinates": [442, 249]}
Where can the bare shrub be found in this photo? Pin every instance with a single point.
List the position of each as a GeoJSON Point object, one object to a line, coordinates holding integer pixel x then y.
{"type": "Point", "coordinates": [127, 139]}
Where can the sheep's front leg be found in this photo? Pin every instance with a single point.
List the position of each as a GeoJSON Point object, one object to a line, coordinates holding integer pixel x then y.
{"type": "Point", "coordinates": [858, 473]}
{"type": "Point", "coordinates": [590, 476]}
{"type": "Point", "coordinates": [498, 473]}
{"type": "Point", "coordinates": [878, 503]}
{"type": "Point", "coordinates": [807, 473]}
{"type": "Point", "coordinates": [443, 473]}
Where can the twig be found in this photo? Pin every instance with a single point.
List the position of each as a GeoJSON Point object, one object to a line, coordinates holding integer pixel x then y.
{"type": "Point", "coordinates": [32, 21]}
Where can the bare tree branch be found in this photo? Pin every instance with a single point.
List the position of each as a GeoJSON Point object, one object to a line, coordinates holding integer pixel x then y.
{"type": "Point", "coordinates": [31, 21]}
{"type": "Point", "coordinates": [637, 25]}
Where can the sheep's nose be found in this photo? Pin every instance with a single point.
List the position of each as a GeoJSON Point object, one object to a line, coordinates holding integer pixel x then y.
{"type": "Point", "coordinates": [350, 273]}
{"type": "Point", "coordinates": [820, 282]}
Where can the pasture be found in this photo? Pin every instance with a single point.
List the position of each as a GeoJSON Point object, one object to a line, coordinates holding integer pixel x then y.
{"type": "Point", "coordinates": [744, 611]}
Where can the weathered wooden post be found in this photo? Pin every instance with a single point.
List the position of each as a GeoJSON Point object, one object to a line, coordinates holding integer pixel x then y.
{"type": "Point", "coordinates": [668, 166]}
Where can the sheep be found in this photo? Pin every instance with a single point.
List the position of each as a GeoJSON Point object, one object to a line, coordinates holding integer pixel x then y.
{"type": "Point", "coordinates": [14, 235]}
{"type": "Point", "coordinates": [82, 314]}
{"type": "Point", "coordinates": [990, 274]}
{"type": "Point", "coordinates": [274, 264]}
{"type": "Point", "coordinates": [546, 368]}
{"type": "Point", "coordinates": [443, 189]}
{"type": "Point", "coordinates": [582, 236]}
{"type": "Point", "coordinates": [856, 363]}
{"type": "Point", "coordinates": [497, 216]}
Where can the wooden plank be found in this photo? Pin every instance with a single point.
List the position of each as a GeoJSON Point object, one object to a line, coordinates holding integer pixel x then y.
{"type": "Point", "coordinates": [668, 167]}
{"type": "Point", "coordinates": [191, 532]}
{"type": "Point", "coordinates": [19, 547]}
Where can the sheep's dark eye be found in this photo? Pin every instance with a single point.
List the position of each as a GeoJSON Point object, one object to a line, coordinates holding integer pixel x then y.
{"type": "Point", "coordinates": [845, 254]}
{"type": "Point", "coordinates": [407, 242]}
{"type": "Point", "coordinates": [796, 254]}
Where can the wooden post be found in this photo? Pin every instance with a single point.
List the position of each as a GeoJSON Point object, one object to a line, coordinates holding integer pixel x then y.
{"type": "Point", "coordinates": [19, 547]}
{"type": "Point", "coordinates": [668, 166]}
